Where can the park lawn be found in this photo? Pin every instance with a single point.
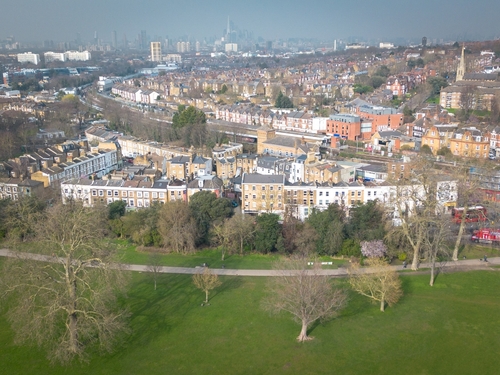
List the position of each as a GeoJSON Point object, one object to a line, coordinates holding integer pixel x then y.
{"type": "Point", "coordinates": [128, 253]}
{"type": "Point", "coordinates": [476, 251]}
{"type": "Point", "coordinates": [451, 328]}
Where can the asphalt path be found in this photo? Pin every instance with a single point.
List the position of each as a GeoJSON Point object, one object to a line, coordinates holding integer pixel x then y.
{"type": "Point", "coordinates": [461, 265]}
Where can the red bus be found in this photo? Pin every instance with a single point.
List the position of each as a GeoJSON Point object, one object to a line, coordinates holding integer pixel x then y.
{"type": "Point", "coordinates": [474, 214]}
{"type": "Point", "coordinates": [486, 235]}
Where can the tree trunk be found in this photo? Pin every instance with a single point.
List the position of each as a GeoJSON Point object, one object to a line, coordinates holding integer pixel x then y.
{"type": "Point", "coordinates": [155, 283]}
{"type": "Point", "coordinates": [223, 253]}
{"type": "Point", "coordinates": [73, 333]}
{"type": "Point", "coordinates": [303, 333]}
{"type": "Point", "coordinates": [414, 263]}
{"type": "Point", "coordinates": [206, 296]}
{"type": "Point", "coordinates": [433, 275]}
{"type": "Point", "coordinates": [382, 305]}
{"type": "Point", "coordinates": [459, 239]}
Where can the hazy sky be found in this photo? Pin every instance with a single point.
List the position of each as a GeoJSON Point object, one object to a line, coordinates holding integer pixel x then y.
{"type": "Point", "coordinates": [36, 20]}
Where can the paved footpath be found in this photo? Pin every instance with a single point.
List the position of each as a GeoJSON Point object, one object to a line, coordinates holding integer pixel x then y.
{"type": "Point", "coordinates": [461, 265]}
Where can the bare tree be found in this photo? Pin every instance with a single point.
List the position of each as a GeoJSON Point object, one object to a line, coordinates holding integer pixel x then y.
{"type": "Point", "coordinates": [379, 281]}
{"type": "Point", "coordinates": [305, 293]}
{"type": "Point", "coordinates": [154, 266]}
{"type": "Point", "coordinates": [234, 233]}
{"type": "Point", "coordinates": [468, 188]}
{"type": "Point", "coordinates": [467, 99]}
{"type": "Point", "coordinates": [240, 230]}
{"type": "Point", "coordinates": [177, 227]}
{"type": "Point", "coordinates": [435, 241]}
{"type": "Point", "coordinates": [206, 281]}
{"type": "Point", "coordinates": [413, 201]}
{"type": "Point", "coordinates": [68, 304]}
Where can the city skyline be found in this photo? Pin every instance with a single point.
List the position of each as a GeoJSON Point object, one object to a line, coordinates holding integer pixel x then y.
{"type": "Point", "coordinates": [34, 20]}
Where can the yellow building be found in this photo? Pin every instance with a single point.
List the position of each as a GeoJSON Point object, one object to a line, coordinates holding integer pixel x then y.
{"type": "Point", "coordinates": [262, 193]}
{"type": "Point", "coordinates": [469, 142]}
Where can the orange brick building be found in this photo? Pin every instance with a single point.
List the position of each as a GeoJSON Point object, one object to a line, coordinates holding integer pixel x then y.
{"type": "Point", "coordinates": [382, 118]}
{"type": "Point", "coordinates": [343, 125]}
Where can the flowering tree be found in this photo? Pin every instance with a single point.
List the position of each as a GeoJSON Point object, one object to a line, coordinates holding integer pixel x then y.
{"type": "Point", "coordinates": [373, 249]}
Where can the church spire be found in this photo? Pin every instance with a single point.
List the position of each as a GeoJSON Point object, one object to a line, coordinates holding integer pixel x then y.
{"type": "Point", "coordinates": [461, 66]}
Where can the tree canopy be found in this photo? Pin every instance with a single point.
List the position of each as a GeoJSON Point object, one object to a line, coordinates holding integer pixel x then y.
{"type": "Point", "coordinates": [283, 101]}
{"type": "Point", "coordinates": [187, 116]}
{"type": "Point", "coordinates": [267, 232]}
{"type": "Point", "coordinates": [208, 210]}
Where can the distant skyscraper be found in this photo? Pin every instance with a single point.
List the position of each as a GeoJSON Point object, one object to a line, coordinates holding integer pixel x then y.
{"type": "Point", "coordinates": [156, 51]}
{"type": "Point", "coordinates": [424, 41]}
{"type": "Point", "coordinates": [143, 40]}
{"type": "Point", "coordinates": [114, 39]}
{"type": "Point", "coordinates": [335, 45]}
{"type": "Point", "coordinates": [269, 46]}
{"type": "Point", "coordinates": [96, 39]}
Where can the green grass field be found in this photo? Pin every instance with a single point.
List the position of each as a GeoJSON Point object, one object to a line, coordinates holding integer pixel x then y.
{"type": "Point", "coordinates": [451, 328]}
{"type": "Point", "coordinates": [129, 254]}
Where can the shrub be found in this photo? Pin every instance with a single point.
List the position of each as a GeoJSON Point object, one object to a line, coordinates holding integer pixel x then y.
{"type": "Point", "coordinates": [351, 248]}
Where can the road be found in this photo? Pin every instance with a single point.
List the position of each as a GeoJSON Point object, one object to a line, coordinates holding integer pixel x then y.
{"type": "Point", "coordinates": [461, 265]}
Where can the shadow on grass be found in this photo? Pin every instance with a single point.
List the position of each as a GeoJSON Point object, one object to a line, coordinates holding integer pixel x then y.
{"type": "Point", "coordinates": [228, 283]}
{"type": "Point", "coordinates": [152, 310]}
{"type": "Point", "coordinates": [356, 304]}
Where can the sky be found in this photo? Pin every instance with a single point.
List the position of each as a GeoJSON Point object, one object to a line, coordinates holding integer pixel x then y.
{"type": "Point", "coordinates": [61, 20]}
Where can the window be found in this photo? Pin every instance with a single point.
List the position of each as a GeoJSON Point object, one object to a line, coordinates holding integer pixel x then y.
{"type": "Point", "coordinates": [271, 187]}
{"type": "Point", "coordinates": [139, 194]}
{"type": "Point", "coordinates": [155, 194]}
{"type": "Point", "coordinates": [130, 193]}
{"type": "Point", "coordinates": [263, 196]}
{"type": "Point", "coordinates": [124, 193]}
{"type": "Point", "coordinates": [94, 192]}
{"type": "Point", "coordinates": [359, 193]}
{"type": "Point", "coordinates": [253, 187]}
{"type": "Point", "coordinates": [101, 193]}
{"type": "Point", "coordinates": [352, 193]}
{"type": "Point", "coordinates": [110, 193]}
{"type": "Point", "coordinates": [254, 196]}
{"type": "Point", "coordinates": [263, 187]}
{"type": "Point", "coordinates": [131, 203]}
{"type": "Point", "coordinates": [115, 193]}
{"type": "Point", "coordinates": [320, 193]}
